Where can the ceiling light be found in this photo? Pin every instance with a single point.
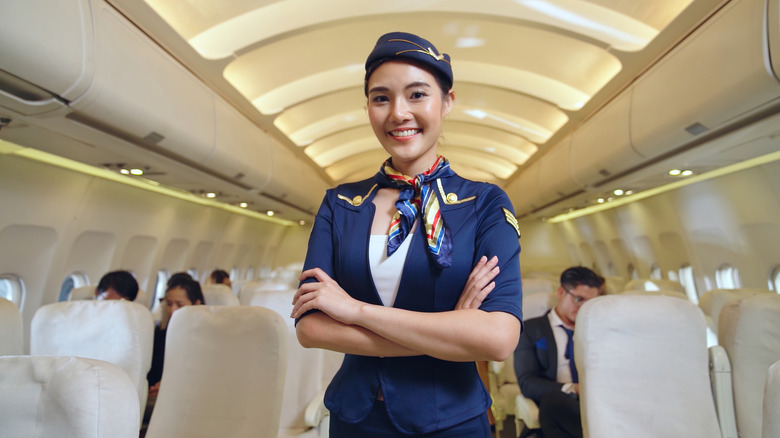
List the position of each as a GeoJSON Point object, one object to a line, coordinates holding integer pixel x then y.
{"type": "Point", "coordinates": [270, 212]}
{"type": "Point", "coordinates": [211, 195]}
{"type": "Point", "coordinates": [618, 192]}
{"type": "Point", "coordinates": [124, 171]}
{"type": "Point", "coordinates": [243, 205]}
{"type": "Point", "coordinates": [301, 222]}
{"type": "Point", "coordinates": [686, 173]}
{"type": "Point", "coordinates": [137, 172]}
{"type": "Point", "coordinates": [675, 172]}
{"type": "Point", "coordinates": [629, 192]}
{"type": "Point", "coordinates": [601, 200]}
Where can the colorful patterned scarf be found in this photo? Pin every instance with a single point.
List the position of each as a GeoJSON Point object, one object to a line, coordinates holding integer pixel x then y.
{"type": "Point", "coordinates": [416, 192]}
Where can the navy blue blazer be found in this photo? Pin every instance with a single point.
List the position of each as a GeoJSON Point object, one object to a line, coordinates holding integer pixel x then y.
{"type": "Point", "coordinates": [536, 359]}
{"type": "Point", "coordinates": [422, 394]}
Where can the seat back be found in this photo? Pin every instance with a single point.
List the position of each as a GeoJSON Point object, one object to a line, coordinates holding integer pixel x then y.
{"type": "Point", "coordinates": [88, 293]}
{"type": "Point", "coordinates": [771, 421]}
{"type": "Point", "coordinates": [115, 331]}
{"type": "Point", "coordinates": [712, 301]}
{"type": "Point", "coordinates": [219, 295]}
{"type": "Point", "coordinates": [538, 285]}
{"type": "Point", "coordinates": [748, 330]}
{"type": "Point", "coordinates": [643, 368]}
{"type": "Point", "coordinates": [614, 284]}
{"type": "Point", "coordinates": [667, 292]}
{"type": "Point", "coordinates": [652, 284]}
{"type": "Point", "coordinates": [223, 375]}
{"type": "Point", "coordinates": [68, 397]}
{"type": "Point", "coordinates": [11, 333]}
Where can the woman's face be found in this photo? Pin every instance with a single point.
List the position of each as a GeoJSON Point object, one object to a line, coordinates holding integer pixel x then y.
{"type": "Point", "coordinates": [177, 298]}
{"type": "Point", "coordinates": [406, 109]}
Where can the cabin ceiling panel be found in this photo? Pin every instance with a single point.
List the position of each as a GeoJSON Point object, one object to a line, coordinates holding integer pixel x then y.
{"type": "Point", "coordinates": [526, 71]}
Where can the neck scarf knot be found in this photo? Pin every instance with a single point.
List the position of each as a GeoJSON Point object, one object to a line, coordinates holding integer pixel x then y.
{"type": "Point", "coordinates": [418, 197]}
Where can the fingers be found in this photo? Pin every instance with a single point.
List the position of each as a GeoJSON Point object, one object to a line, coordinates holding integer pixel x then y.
{"type": "Point", "coordinates": [479, 284]}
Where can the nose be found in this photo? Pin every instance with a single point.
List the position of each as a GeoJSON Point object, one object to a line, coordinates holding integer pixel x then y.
{"type": "Point", "coordinates": [400, 111]}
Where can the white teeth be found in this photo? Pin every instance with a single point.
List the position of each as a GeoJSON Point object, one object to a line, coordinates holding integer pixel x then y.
{"type": "Point", "coordinates": [405, 133]}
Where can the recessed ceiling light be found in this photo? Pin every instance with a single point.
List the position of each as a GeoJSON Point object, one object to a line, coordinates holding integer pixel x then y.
{"type": "Point", "coordinates": [243, 205]}
{"type": "Point", "coordinates": [136, 171]}
{"type": "Point", "coordinates": [686, 173]}
{"type": "Point", "coordinates": [618, 192]}
{"type": "Point", "coordinates": [675, 172]}
{"type": "Point", "coordinates": [601, 200]}
{"type": "Point", "coordinates": [124, 171]}
{"type": "Point", "coordinates": [301, 222]}
{"type": "Point", "coordinates": [270, 212]}
{"type": "Point", "coordinates": [211, 195]}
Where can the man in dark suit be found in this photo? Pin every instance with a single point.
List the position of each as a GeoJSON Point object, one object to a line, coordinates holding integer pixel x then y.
{"type": "Point", "coordinates": [544, 358]}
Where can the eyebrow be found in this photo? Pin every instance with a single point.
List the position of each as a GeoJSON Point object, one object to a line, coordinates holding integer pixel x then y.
{"type": "Point", "coordinates": [415, 84]}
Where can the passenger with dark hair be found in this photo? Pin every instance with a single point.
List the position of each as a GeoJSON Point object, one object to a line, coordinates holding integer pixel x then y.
{"type": "Point", "coordinates": [544, 358]}
{"type": "Point", "coordinates": [117, 285]}
{"type": "Point", "coordinates": [219, 276]}
{"type": "Point", "coordinates": [177, 278]}
{"type": "Point", "coordinates": [414, 273]}
{"type": "Point", "coordinates": [182, 292]}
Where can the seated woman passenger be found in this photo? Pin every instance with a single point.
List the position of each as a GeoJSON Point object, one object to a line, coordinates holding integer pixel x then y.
{"type": "Point", "coordinates": [180, 293]}
{"type": "Point", "coordinates": [219, 276]}
{"type": "Point", "coordinates": [117, 285]}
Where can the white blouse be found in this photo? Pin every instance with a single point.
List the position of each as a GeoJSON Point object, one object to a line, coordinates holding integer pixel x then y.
{"type": "Point", "coordinates": [386, 271]}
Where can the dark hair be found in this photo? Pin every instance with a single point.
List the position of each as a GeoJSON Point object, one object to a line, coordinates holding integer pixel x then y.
{"type": "Point", "coordinates": [218, 276]}
{"type": "Point", "coordinates": [191, 287]}
{"type": "Point", "coordinates": [122, 282]}
{"type": "Point", "coordinates": [178, 278]}
{"type": "Point", "coordinates": [580, 275]}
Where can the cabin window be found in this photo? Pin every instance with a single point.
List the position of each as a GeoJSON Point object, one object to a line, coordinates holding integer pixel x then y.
{"type": "Point", "coordinates": [655, 272]}
{"type": "Point", "coordinates": [250, 273]}
{"type": "Point", "coordinates": [12, 289]}
{"type": "Point", "coordinates": [727, 277]}
{"type": "Point", "coordinates": [672, 275]}
{"type": "Point", "coordinates": [193, 273]}
{"type": "Point", "coordinates": [234, 273]}
{"type": "Point", "coordinates": [774, 279]}
{"type": "Point", "coordinates": [72, 281]}
{"type": "Point", "coordinates": [688, 282]}
{"type": "Point", "coordinates": [159, 289]}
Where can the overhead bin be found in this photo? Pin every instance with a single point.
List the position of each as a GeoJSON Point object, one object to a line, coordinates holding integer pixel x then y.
{"type": "Point", "coordinates": [524, 190]}
{"type": "Point", "coordinates": [243, 151]}
{"type": "Point", "coordinates": [46, 54]}
{"type": "Point", "coordinates": [555, 173]}
{"type": "Point", "coordinates": [602, 146]}
{"type": "Point", "coordinates": [294, 181]}
{"type": "Point", "coordinates": [140, 92]}
{"type": "Point", "coordinates": [718, 75]}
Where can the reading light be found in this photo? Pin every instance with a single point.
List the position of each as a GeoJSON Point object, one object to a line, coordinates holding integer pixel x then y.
{"type": "Point", "coordinates": [601, 200]}
{"type": "Point", "coordinates": [211, 195]}
{"type": "Point", "coordinates": [675, 172]}
{"type": "Point", "coordinates": [618, 192]}
{"type": "Point", "coordinates": [686, 173]}
{"type": "Point", "coordinates": [124, 171]}
{"type": "Point", "coordinates": [270, 212]}
{"type": "Point", "coordinates": [137, 172]}
{"type": "Point", "coordinates": [243, 205]}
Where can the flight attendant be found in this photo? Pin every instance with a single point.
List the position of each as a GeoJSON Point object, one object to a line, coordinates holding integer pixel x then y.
{"type": "Point", "coordinates": [413, 273]}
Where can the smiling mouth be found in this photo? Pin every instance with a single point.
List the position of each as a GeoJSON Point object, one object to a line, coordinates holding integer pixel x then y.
{"type": "Point", "coordinates": [405, 132]}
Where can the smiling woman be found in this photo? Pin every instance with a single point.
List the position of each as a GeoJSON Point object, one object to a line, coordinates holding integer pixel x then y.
{"type": "Point", "coordinates": [415, 307]}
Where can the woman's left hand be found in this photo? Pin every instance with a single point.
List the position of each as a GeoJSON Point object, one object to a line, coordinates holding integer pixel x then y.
{"type": "Point", "coordinates": [326, 295]}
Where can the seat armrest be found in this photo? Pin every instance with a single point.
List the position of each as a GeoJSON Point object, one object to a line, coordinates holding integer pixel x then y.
{"type": "Point", "coordinates": [527, 411]}
{"type": "Point", "coordinates": [720, 379]}
{"type": "Point", "coordinates": [316, 410]}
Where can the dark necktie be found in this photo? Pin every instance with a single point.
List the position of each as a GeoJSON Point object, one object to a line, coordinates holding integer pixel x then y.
{"type": "Point", "coordinates": [570, 355]}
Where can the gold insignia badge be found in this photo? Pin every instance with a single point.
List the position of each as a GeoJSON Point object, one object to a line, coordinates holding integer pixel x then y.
{"type": "Point", "coordinates": [357, 200]}
{"type": "Point", "coordinates": [512, 220]}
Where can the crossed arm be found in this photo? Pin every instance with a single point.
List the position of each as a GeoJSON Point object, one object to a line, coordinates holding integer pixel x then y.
{"type": "Point", "coordinates": [352, 326]}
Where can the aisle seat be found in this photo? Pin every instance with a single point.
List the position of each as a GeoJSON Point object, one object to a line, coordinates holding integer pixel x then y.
{"type": "Point", "coordinates": [223, 374]}
{"type": "Point", "coordinates": [115, 331]}
{"type": "Point", "coordinates": [61, 396]}
{"type": "Point", "coordinates": [643, 368]}
{"type": "Point", "coordinates": [219, 295]}
{"type": "Point", "coordinates": [749, 331]}
{"type": "Point", "coordinates": [11, 332]}
{"type": "Point", "coordinates": [712, 301]}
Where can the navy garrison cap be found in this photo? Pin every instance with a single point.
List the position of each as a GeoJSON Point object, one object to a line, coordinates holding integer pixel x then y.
{"type": "Point", "coordinates": [402, 45]}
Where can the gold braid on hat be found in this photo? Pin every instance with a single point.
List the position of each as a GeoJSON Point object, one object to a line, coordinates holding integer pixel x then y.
{"type": "Point", "coordinates": [422, 49]}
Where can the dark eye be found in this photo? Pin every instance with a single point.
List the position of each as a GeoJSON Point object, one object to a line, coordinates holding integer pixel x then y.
{"type": "Point", "coordinates": [379, 99]}
{"type": "Point", "coordinates": [418, 95]}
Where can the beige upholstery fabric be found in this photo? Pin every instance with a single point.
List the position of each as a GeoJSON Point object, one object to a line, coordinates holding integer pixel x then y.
{"type": "Point", "coordinates": [223, 375]}
{"type": "Point", "coordinates": [219, 295]}
{"type": "Point", "coordinates": [65, 397]}
{"type": "Point", "coordinates": [533, 286]}
{"type": "Point", "coordinates": [119, 332]}
{"type": "Point", "coordinates": [749, 331]}
{"type": "Point", "coordinates": [667, 292]}
{"type": "Point", "coordinates": [771, 420]}
{"type": "Point", "coordinates": [307, 372]}
{"type": "Point", "coordinates": [11, 334]}
{"type": "Point", "coordinates": [651, 284]}
{"type": "Point", "coordinates": [643, 368]}
{"type": "Point", "coordinates": [712, 301]}
{"type": "Point", "coordinates": [88, 293]}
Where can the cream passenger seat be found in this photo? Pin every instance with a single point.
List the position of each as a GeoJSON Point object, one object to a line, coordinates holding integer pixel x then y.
{"type": "Point", "coordinates": [223, 375]}
{"type": "Point", "coordinates": [58, 396]}
{"type": "Point", "coordinates": [11, 333]}
{"type": "Point", "coordinates": [771, 420]}
{"type": "Point", "coordinates": [712, 301]}
{"type": "Point", "coordinates": [643, 368]}
{"type": "Point", "coordinates": [219, 295]}
{"type": "Point", "coordinates": [115, 331]}
{"type": "Point", "coordinates": [652, 284]}
{"type": "Point", "coordinates": [88, 293]}
{"type": "Point", "coordinates": [748, 330]}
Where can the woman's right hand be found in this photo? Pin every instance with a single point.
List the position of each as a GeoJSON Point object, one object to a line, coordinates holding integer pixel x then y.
{"type": "Point", "coordinates": [479, 284]}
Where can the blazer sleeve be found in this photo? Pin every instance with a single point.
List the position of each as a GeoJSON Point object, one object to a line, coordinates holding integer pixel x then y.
{"type": "Point", "coordinates": [530, 372]}
{"type": "Point", "coordinates": [497, 236]}
{"type": "Point", "coordinates": [320, 250]}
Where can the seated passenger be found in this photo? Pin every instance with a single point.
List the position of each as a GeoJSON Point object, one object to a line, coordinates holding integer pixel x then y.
{"type": "Point", "coordinates": [219, 276]}
{"type": "Point", "coordinates": [177, 278]}
{"type": "Point", "coordinates": [544, 358]}
{"type": "Point", "coordinates": [181, 292]}
{"type": "Point", "coordinates": [117, 285]}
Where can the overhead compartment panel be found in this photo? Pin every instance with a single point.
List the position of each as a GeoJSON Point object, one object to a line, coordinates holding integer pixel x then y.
{"type": "Point", "coordinates": [602, 147]}
{"type": "Point", "coordinates": [140, 92]}
{"type": "Point", "coordinates": [555, 173]}
{"type": "Point", "coordinates": [294, 181]}
{"type": "Point", "coordinates": [45, 53]}
{"type": "Point", "coordinates": [718, 75]}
